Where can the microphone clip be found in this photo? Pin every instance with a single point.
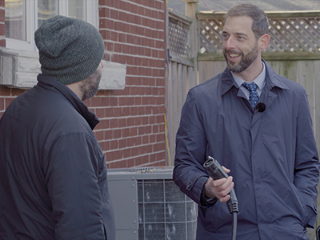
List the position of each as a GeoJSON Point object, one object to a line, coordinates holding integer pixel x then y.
{"type": "Point", "coordinates": [260, 107]}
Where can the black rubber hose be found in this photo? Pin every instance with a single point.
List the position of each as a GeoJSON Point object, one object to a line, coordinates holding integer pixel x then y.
{"type": "Point", "coordinates": [234, 225]}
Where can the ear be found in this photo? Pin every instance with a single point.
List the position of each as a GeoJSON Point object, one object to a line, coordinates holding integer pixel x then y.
{"type": "Point", "coordinates": [264, 42]}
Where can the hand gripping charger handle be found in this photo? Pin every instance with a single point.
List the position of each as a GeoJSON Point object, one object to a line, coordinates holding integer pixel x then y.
{"type": "Point", "coordinates": [216, 172]}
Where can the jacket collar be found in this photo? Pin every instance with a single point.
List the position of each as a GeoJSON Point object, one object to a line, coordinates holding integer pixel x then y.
{"type": "Point", "coordinates": [49, 83]}
{"type": "Point", "coordinates": [272, 80]}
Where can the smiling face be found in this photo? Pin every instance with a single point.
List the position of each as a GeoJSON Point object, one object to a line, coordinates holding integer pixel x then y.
{"type": "Point", "coordinates": [240, 46]}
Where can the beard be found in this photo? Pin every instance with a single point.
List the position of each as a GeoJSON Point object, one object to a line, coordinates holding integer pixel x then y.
{"type": "Point", "coordinates": [90, 86]}
{"type": "Point", "coordinates": [245, 62]}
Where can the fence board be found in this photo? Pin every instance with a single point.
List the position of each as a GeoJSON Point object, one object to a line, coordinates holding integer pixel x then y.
{"type": "Point", "coordinates": [180, 88]}
{"type": "Point", "coordinates": [305, 71]}
{"type": "Point", "coordinates": [184, 84]}
{"type": "Point", "coordinates": [174, 101]}
{"type": "Point", "coordinates": [192, 78]}
{"type": "Point", "coordinates": [181, 78]}
{"type": "Point", "coordinates": [316, 77]}
{"type": "Point", "coordinates": [316, 124]}
{"type": "Point", "coordinates": [169, 108]}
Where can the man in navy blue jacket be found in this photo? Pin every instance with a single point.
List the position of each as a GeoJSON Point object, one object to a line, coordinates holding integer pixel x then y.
{"type": "Point", "coordinates": [257, 124]}
{"type": "Point", "coordinates": [53, 175]}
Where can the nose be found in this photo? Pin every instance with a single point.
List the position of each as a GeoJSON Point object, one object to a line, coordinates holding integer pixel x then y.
{"type": "Point", "coordinates": [229, 43]}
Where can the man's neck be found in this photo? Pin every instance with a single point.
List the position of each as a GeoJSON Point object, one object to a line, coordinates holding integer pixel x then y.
{"type": "Point", "coordinates": [76, 89]}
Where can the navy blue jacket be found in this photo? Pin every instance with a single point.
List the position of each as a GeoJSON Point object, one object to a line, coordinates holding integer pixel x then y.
{"type": "Point", "coordinates": [53, 175]}
{"type": "Point", "coordinates": [272, 156]}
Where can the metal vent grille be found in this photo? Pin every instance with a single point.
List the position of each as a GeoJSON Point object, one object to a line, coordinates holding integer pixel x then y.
{"type": "Point", "coordinates": [149, 206]}
{"type": "Point", "coordinates": [165, 212]}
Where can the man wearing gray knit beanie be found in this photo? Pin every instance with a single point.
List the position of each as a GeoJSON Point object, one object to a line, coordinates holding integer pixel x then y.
{"type": "Point", "coordinates": [71, 50]}
{"type": "Point", "coordinates": [53, 182]}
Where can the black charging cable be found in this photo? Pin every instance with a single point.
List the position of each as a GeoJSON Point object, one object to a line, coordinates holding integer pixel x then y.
{"type": "Point", "coordinates": [215, 171]}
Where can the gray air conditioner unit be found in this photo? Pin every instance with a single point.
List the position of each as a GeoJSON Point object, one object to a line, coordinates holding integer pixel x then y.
{"type": "Point", "coordinates": [149, 206]}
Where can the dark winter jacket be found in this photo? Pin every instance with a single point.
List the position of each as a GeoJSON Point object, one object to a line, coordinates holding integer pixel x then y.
{"type": "Point", "coordinates": [272, 156]}
{"type": "Point", "coordinates": [53, 175]}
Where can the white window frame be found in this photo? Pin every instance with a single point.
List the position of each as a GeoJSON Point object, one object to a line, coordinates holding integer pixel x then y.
{"type": "Point", "coordinates": [19, 61]}
{"type": "Point", "coordinates": [31, 20]}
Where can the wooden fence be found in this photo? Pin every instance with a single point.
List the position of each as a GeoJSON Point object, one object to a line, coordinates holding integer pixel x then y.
{"type": "Point", "coordinates": [293, 52]}
{"type": "Point", "coordinates": [181, 74]}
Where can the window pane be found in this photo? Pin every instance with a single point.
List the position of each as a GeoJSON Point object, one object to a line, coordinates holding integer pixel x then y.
{"type": "Point", "coordinates": [46, 10]}
{"type": "Point", "coordinates": [77, 9]}
{"type": "Point", "coordinates": [15, 19]}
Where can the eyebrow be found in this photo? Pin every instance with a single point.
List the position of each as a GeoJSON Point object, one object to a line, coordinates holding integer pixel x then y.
{"type": "Point", "coordinates": [237, 33]}
{"type": "Point", "coordinates": [242, 34]}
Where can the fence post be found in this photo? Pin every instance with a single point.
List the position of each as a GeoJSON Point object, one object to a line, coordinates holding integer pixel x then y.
{"type": "Point", "coordinates": [192, 8]}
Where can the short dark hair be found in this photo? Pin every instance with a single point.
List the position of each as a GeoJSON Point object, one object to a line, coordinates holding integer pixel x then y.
{"type": "Point", "coordinates": [260, 22]}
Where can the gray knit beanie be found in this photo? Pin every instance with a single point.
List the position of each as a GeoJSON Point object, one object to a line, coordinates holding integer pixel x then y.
{"type": "Point", "coordinates": [70, 50]}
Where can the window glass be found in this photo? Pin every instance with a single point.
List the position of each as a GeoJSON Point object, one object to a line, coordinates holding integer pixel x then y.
{"type": "Point", "coordinates": [46, 10]}
{"type": "Point", "coordinates": [24, 17]}
{"type": "Point", "coordinates": [77, 9]}
{"type": "Point", "coordinates": [15, 19]}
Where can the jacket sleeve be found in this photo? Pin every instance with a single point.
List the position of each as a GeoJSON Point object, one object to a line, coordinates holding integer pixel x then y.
{"type": "Point", "coordinates": [189, 173]}
{"type": "Point", "coordinates": [71, 173]}
{"type": "Point", "coordinates": [306, 175]}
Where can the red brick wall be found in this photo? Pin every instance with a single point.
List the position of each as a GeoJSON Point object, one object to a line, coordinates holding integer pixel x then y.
{"type": "Point", "coordinates": [131, 132]}
{"type": "Point", "coordinates": [6, 97]}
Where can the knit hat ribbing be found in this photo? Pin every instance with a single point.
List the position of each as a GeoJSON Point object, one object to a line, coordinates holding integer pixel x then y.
{"type": "Point", "coordinates": [70, 50]}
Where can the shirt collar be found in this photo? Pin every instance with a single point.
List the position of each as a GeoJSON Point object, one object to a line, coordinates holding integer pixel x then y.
{"type": "Point", "coordinates": [260, 80]}
{"type": "Point", "coordinates": [272, 79]}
